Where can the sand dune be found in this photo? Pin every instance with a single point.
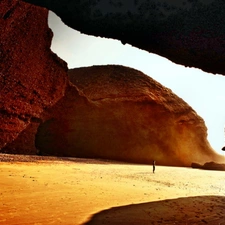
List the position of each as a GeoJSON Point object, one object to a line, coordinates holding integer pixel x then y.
{"type": "Point", "coordinates": [82, 191]}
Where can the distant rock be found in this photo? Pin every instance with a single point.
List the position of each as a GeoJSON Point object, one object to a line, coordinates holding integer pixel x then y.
{"type": "Point", "coordinates": [196, 165]}
{"type": "Point", "coordinates": [209, 166]}
{"type": "Point", "coordinates": [119, 113]}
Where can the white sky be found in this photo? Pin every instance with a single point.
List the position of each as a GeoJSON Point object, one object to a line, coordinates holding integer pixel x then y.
{"type": "Point", "coordinates": [204, 92]}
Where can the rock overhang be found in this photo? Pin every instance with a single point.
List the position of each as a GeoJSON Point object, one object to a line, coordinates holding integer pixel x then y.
{"type": "Point", "coordinates": [189, 32]}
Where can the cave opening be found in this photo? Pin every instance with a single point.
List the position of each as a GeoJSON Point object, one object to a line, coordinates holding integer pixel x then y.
{"type": "Point", "coordinates": [202, 91]}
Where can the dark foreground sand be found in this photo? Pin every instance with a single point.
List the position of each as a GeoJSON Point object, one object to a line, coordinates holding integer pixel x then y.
{"type": "Point", "coordinates": [35, 190]}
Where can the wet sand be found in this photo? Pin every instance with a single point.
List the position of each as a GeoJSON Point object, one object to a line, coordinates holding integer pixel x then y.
{"type": "Point", "coordinates": [43, 190]}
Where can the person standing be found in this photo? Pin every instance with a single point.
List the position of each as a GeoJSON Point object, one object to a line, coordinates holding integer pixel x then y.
{"type": "Point", "coordinates": [153, 164]}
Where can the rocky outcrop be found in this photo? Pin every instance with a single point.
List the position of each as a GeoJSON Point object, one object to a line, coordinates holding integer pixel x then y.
{"type": "Point", "coordinates": [120, 113]}
{"type": "Point", "coordinates": [32, 78]}
{"type": "Point", "coordinates": [209, 166]}
{"type": "Point", "coordinates": [108, 112]}
{"type": "Point", "coordinates": [188, 32]}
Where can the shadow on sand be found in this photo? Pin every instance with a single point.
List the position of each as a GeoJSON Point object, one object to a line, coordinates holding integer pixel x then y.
{"type": "Point", "coordinates": [182, 211]}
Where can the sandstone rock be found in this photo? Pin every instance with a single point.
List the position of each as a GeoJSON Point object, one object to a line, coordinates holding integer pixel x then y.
{"type": "Point", "coordinates": [209, 166]}
{"type": "Point", "coordinates": [196, 165]}
{"type": "Point", "coordinates": [24, 143]}
{"type": "Point", "coordinates": [32, 78]}
{"type": "Point", "coordinates": [187, 32]}
{"type": "Point", "coordinates": [213, 166]}
{"type": "Point", "coordinates": [119, 113]}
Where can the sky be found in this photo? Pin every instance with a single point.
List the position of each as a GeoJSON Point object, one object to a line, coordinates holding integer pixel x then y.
{"type": "Point", "coordinates": [204, 92]}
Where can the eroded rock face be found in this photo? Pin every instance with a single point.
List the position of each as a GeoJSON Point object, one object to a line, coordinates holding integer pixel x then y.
{"type": "Point", "coordinates": [209, 166]}
{"type": "Point", "coordinates": [32, 78]}
{"type": "Point", "coordinates": [120, 113]}
{"type": "Point", "coordinates": [190, 32]}
{"type": "Point", "coordinates": [109, 112]}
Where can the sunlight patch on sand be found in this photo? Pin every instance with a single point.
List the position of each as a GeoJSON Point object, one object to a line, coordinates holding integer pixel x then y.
{"type": "Point", "coordinates": [75, 192]}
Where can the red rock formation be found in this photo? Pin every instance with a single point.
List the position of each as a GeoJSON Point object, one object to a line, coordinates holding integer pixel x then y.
{"type": "Point", "coordinates": [31, 76]}
{"type": "Point", "coordinates": [109, 112]}
{"type": "Point", "coordinates": [209, 166]}
{"type": "Point", "coordinates": [24, 143]}
{"type": "Point", "coordinates": [120, 113]}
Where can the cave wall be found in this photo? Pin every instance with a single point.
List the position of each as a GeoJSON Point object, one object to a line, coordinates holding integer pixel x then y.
{"type": "Point", "coordinates": [188, 32]}
{"type": "Point", "coordinates": [32, 78]}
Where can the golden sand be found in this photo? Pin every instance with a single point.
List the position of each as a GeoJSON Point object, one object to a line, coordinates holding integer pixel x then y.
{"type": "Point", "coordinates": [100, 192]}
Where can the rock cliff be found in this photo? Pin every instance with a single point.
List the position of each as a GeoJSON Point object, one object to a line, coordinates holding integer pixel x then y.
{"type": "Point", "coordinates": [32, 78]}
{"type": "Point", "coordinates": [189, 32]}
{"type": "Point", "coordinates": [120, 113]}
{"type": "Point", "coordinates": [106, 112]}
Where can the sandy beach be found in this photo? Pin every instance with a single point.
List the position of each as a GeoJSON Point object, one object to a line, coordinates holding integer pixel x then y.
{"type": "Point", "coordinates": [84, 191]}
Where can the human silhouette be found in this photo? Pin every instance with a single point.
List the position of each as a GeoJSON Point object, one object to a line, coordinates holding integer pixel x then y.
{"type": "Point", "coordinates": [153, 164]}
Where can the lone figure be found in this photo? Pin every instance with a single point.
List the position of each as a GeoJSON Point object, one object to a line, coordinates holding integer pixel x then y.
{"type": "Point", "coordinates": [153, 164]}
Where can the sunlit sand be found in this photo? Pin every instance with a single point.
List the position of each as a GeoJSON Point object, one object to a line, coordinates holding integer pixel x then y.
{"type": "Point", "coordinates": [82, 191]}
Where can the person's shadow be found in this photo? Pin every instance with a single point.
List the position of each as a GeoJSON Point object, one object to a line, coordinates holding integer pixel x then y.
{"type": "Point", "coordinates": [182, 211]}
